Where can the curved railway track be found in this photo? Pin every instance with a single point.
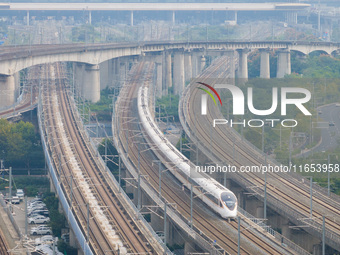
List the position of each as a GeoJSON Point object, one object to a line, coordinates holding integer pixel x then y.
{"type": "Point", "coordinates": [100, 240]}
{"type": "Point", "coordinates": [4, 247]}
{"type": "Point", "coordinates": [211, 226]}
{"type": "Point", "coordinates": [284, 188]}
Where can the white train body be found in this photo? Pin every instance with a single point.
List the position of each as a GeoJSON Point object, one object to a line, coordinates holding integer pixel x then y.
{"type": "Point", "coordinates": [217, 197]}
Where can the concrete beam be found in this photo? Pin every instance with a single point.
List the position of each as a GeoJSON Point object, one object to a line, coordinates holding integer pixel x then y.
{"type": "Point", "coordinates": [283, 63]}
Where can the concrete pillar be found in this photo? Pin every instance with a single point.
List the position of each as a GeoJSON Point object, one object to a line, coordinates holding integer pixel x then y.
{"type": "Point", "coordinates": [194, 64]}
{"type": "Point", "coordinates": [173, 18]}
{"type": "Point", "coordinates": [167, 72]}
{"type": "Point", "coordinates": [115, 70]}
{"type": "Point", "coordinates": [105, 74]}
{"type": "Point", "coordinates": [17, 85]}
{"type": "Point", "coordinates": [231, 62]}
{"type": "Point", "coordinates": [189, 247]}
{"type": "Point", "coordinates": [286, 230]}
{"type": "Point", "coordinates": [122, 72]}
{"type": "Point", "coordinates": [202, 64]}
{"type": "Point", "coordinates": [79, 69]}
{"type": "Point", "coordinates": [243, 64]}
{"type": "Point", "coordinates": [131, 18]}
{"type": "Point", "coordinates": [291, 17]}
{"type": "Point", "coordinates": [265, 65]}
{"type": "Point", "coordinates": [178, 73]}
{"type": "Point", "coordinates": [159, 87]}
{"type": "Point", "coordinates": [90, 17]}
{"type": "Point", "coordinates": [91, 86]}
{"type": "Point", "coordinates": [235, 17]}
{"type": "Point", "coordinates": [187, 67]}
{"type": "Point", "coordinates": [283, 63]}
{"type": "Point", "coordinates": [7, 90]}
{"type": "Point", "coordinates": [27, 18]}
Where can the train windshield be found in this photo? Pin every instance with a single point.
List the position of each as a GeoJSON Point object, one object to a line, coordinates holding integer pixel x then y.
{"type": "Point", "coordinates": [229, 200]}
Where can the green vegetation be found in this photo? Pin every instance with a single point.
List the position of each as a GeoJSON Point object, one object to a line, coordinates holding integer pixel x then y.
{"type": "Point", "coordinates": [102, 109]}
{"type": "Point", "coordinates": [168, 106]}
{"type": "Point", "coordinates": [320, 75]}
{"type": "Point", "coordinates": [31, 185]}
{"type": "Point", "coordinates": [211, 33]}
{"type": "Point", "coordinates": [20, 145]}
{"type": "Point", "coordinates": [85, 34]}
{"type": "Point", "coordinates": [66, 248]}
{"type": "Point", "coordinates": [112, 153]}
{"type": "Point", "coordinates": [57, 219]}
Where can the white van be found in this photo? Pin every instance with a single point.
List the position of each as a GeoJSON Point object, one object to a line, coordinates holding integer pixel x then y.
{"type": "Point", "coordinates": [20, 194]}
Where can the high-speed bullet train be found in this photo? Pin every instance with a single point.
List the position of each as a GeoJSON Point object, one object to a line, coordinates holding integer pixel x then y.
{"type": "Point", "coordinates": [212, 193]}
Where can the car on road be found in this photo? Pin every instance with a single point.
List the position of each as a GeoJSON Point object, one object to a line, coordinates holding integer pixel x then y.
{"type": "Point", "coordinates": [39, 219]}
{"type": "Point", "coordinates": [15, 200]}
{"type": "Point", "coordinates": [41, 230]}
{"type": "Point", "coordinates": [331, 123]}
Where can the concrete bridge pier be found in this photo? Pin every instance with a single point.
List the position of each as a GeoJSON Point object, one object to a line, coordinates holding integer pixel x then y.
{"type": "Point", "coordinates": [74, 242]}
{"type": "Point", "coordinates": [166, 72]}
{"type": "Point", "coordinates": [159, 86]}
{"type": "Point", "coordinates": [265, 65]}
{"type": "Point", "coordinates": [291, 17]}
{"type": "Point", "coordinates": [91, 85]}
{"type": "Point", "coordinates": [78, 74]}
{"type": "Point", "coordinates": [7, 90]}
{"type": "Point", "coordinates": [115, 71]}
{"type": "Point", "coordinates": [28, 18]}
{"type": "Point", "coordinates": [194, 65]}
{"type": "Point", "coordinates": [190, 247]}
{"type": "Point", "coordinates": [231, 62]}
{"type": "Point", "coordinates": [131, 18]}
{"type": "Point", "coordinates": [106, 75]}
{"type": "Point", "coordinates": [122, 73]}
{"type": "Point", "coordinates": [187, 67]}
{"type": "Point", "coordinates": [283, 63]}
{"type": "Point", "coordinates": [202, 64]}
{"type": "Point", "coordinates": [178, 76]}
{"type": "Point", "coordinates": [243, 65]}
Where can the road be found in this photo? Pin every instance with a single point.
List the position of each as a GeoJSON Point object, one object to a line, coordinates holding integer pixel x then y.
{"type": "Point", "coordinates": [329, 134]}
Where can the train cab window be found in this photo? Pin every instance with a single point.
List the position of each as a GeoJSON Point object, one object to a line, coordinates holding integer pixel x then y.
{"type": "Point", "coordinates": [229, 200]}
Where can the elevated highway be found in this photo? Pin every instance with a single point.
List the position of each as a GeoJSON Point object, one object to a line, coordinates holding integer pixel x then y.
{"type": "Point", "coordinates": [89, 58]}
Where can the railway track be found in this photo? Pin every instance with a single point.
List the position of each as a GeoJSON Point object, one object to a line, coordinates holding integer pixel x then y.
{"type": "Point", "coordinates": [4, 247]}
{"type": "Point", "coordinates": [141, 157]}
{"type": "Point", "coordinates": [111, 230]}
{"type": "Point", "coordinates": [283, 187]}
